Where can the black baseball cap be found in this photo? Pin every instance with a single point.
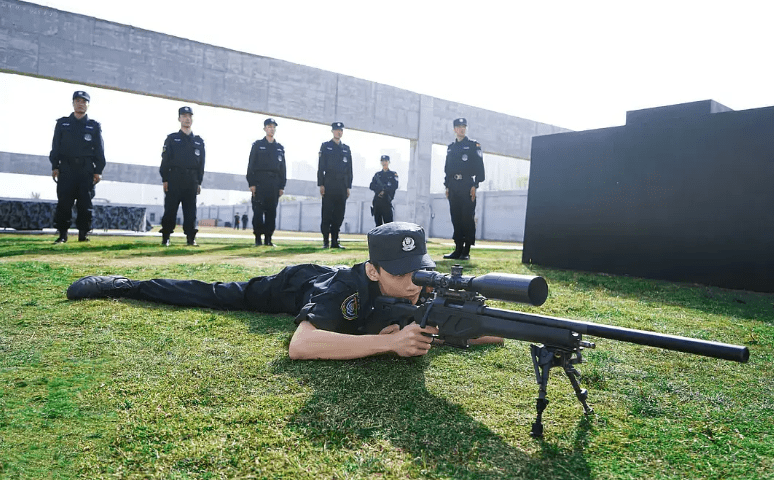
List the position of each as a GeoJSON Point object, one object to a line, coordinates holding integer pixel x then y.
{"type": "Point", "coordinates": [270, 121]}
{"type": "Point", "coordinates": [399, 248]}
{"type": "Point", "coordinates": [385, 157]}
{"type": "Point", "coordinates": [337, 126]}
{"type": "Point", "coordinates": [81, 94]}
{"type": "Point", "coordinates": [183, 110]}
{"type": "Point", "coordinates": [460, 121]}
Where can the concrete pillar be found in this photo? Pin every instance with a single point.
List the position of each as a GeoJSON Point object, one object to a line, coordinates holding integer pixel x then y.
{"type": "Point", "coordinates": [418, 194]}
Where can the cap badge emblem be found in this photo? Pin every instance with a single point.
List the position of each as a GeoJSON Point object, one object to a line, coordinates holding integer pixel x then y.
{"type": "Point", "coordinates": [408, 244]}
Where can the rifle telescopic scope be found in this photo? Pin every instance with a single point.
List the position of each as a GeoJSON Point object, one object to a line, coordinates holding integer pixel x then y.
{"type": "Point", "coordinates": [500, 286]}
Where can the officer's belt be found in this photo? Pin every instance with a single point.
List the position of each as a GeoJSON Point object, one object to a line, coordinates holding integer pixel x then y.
{"type": "Point", "coordinates": [183, 168]}
{"type": "Point", "coordinates": [459, 176]}
{"type": "Point", "coordinates": [77, 161]}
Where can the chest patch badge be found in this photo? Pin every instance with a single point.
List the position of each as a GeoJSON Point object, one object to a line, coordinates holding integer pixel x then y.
{"type": "Point", "coordinates": [87, 137]}
{"type": "Point", "coordinates": [197, 152]}
{"type": "Point", "coordinates": [350, 307]}
{"type": "Point", "coordinates": [465, 158]}
{"type": "Point", "coordinates": [408, 244]}
{"type": "Point", "coordinates": [344, 160]}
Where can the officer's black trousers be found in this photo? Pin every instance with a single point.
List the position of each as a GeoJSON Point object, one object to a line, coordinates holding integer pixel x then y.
{"type": "Point", "coordinates": [265, 209]}
{"type": "Point", "coordinates": [463, 211]}
{"type": "Point", "coordinates": [333, 205]}
{"type": "Point", "coordinates": [180, 193]}
{"type": "Point", "coordinates": [286, 292]}
{"type": "Point", "coordinates": [382, 211]}
{"type": "Point", "coordinates": [74, 185]}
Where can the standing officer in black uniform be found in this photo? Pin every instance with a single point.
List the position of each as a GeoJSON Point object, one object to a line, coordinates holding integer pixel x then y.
{"type": "Point", "coordinates": [384, 184]}
{"type": "Point", "coordinates": [77, 160]}
{"type": "Point", "coordinates": [334, 177]}
{"type": "Point", "coordinates": [464, 171]}
{"type": "Point", "coordinates": [182, 171]}
{"type": "Point", "coordinates": [266, 176]}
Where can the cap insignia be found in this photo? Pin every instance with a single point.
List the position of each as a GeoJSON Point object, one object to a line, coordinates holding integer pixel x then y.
{"type": "Point", "coordinates": [408, 244]}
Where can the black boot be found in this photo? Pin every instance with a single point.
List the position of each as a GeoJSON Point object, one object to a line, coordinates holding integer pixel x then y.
{"type": "Point", "coordinates": [465, 255]}
{"type": "Point", "coordinates": [62, 237]}
{"type": "Point", "coordinates": [268, 241]}
{"type": "Point", "coordinates": [83, 236]}
{"type": "Point", "coordinates": [456, 253]}
{"type": "Point", "coordinates": [335, 241]}
{"type": "Point", "coordinates": [192, 241]}
{"type": "Point", "coordinates": [99, 287]}
{"type": "Point", "coordinates": [325, 241]}
{"type": "Point", "coordinates": [258, 240]}
{"type": "Point", "coordinates": [164, 240]}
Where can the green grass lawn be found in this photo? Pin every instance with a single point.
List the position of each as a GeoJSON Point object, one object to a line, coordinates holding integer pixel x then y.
{"type": "Point", "coordinates": [127, 389]}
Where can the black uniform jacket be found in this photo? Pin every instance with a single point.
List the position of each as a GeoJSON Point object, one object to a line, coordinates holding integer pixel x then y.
{"type": "Point", "coordinates": [464, 165]}
{"type": "Point", "coordinates": [267, 159]}
{"type": "Point", "coordinates": [75, 141]}
{"type": "Point", "coordinates": [182, 152]}
{"type": "Point", "coordinates": [385, 181]}
{"type": "Point", "coordinates": [334, 169]}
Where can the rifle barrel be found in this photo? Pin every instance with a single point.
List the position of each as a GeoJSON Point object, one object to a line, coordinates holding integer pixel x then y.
{"type": "Point", "coordinates": [706, 348]}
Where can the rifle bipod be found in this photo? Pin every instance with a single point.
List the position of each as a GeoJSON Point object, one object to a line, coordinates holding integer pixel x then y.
{"type": "Point", "coordinates": [543, 359]}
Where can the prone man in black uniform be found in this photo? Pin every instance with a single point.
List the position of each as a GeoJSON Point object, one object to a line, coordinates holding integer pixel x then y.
{"type": "Point", "coordinates": [464, 170]}
{"type": "Point", "coordinates": [77, 160]}
{"type": "Point", "coordinates": [266, 176]}
{"type": "Point", "coordinates": [334, 177]}
{"type": "Point", "coordinates": [332, 305]}
{"type": "Point", "coordinates": [384, 184]}
{"type": "Point", "coordinates": [182, 172]}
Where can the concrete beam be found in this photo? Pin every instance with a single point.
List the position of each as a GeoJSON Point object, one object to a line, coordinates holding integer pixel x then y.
{"type": "Point", "coordinates": [49, 43]}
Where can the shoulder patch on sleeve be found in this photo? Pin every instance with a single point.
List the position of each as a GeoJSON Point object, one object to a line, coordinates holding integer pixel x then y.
{"type": "Point", "coordinates": [350, 307]}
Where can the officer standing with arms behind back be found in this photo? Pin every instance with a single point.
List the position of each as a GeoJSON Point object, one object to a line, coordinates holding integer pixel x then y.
{"type": "Point", "coordinates": [464, 171]}
{"type": "Point", "coordinates": [334, 177]}
{"type": "Point", "coordinates": [77, 160]}
{"type": "Point", "coordinates": [266, 176]}
{"type": "Point", "coordinates": [182, 172]}
{"type": "Point", "coordinates": [384, 184]}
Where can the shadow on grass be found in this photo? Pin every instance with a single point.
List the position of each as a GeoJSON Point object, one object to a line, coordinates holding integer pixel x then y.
{"type": "Point", "coordinates": [385, 398]}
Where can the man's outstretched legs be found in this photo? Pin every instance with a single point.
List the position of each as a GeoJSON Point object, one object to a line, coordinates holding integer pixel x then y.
{"type": "Point", "coordinates": [185, 293]}
{"type": "Point", "coordinates": [285, 292]}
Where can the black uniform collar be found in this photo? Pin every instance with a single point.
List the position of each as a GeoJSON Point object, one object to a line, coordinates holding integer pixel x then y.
{"type": "Point", "coordinates": [83, 120]}
{"type": "Point", "coordinates": [460, 141]}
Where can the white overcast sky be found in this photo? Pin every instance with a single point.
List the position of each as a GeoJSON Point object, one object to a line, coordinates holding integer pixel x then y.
{"type": "Point", "coordinates": [578, 65]}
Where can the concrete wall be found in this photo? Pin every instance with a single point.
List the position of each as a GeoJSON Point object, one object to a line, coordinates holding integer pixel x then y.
{"type": "Point", "coordinates": [53, 44]}
{"type": "Point", "coordinates": [499, 215]}
{"type": "Point", "coordinates": [684, 197]}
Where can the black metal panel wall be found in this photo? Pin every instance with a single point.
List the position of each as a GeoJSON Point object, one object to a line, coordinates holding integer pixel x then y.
{"type": "Point", "coordinates": [685, 199]}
